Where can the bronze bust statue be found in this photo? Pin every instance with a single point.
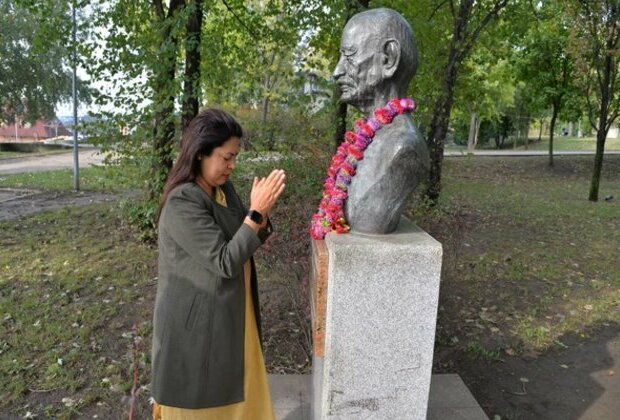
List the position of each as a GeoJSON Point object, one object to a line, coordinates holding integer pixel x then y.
{"type": "Point", "coordinates": [378, 59]}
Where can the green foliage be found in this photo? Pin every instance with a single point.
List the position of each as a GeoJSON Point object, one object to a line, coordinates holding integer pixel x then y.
{"type": "Point", "coordinates": [143, 215]}
{"type": "Point", "coordinates": [36, 58]}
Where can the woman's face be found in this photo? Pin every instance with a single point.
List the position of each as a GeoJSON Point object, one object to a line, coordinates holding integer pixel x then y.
{"type": "Point", "coordinates": [216, 168]}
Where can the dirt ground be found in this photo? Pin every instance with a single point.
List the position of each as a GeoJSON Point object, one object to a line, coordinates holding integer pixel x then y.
{"type": "Point", "coordinates": [16, 203]}
{"type": "Point", "coordinates": [581, 381]}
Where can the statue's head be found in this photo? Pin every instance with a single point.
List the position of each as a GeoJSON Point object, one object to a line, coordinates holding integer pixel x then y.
{"type": "Point", "coordinates": [378, 57]}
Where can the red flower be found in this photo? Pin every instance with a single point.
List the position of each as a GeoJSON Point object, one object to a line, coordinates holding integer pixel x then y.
{"type": "Point", "coordinates": [356, 153]}
{"type": "Point", "coordinates": [364, 129]}
{"type": "Point", "coordinates": [337, 160]}
{"type": "Point", "coordinates": [349, 137]}
{"type": "Point", "coordinates": [347, 167]}
{"type": "Point", "coordinates": [396, 106]}
{"type": "Point", "coordinates": [383, 116]}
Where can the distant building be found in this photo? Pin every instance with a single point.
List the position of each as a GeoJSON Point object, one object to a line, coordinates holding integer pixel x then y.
{"type": "Point", "coordinates": [23, 132]}
{"type": "Point", "coordinates": [312, 87]}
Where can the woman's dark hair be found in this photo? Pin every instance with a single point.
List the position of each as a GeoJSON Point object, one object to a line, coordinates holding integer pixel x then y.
{"type": "Point", "coordinates": [211, 128]}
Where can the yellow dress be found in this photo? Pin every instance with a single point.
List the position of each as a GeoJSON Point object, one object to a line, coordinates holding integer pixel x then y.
{"type": "Point", "coordinates": [257, 404]}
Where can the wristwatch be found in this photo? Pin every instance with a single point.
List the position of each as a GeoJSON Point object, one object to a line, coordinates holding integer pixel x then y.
{"type": "Point", "coordinates": [255, 216]}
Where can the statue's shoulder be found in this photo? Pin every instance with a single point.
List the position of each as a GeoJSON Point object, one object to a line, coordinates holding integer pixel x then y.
{"type": "Point", "coordinates": [402, 135]}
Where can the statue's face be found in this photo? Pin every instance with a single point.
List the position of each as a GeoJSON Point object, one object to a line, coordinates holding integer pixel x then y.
{"type": "Point", "coordinates": [358, 71]}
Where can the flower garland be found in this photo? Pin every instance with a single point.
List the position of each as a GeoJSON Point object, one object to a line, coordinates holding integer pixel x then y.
{"type": "Point", "coordinates": [330, 216]}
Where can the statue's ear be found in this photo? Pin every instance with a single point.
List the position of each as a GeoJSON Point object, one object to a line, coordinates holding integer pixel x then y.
{"type": "Point", "coordinates": [391, 57]}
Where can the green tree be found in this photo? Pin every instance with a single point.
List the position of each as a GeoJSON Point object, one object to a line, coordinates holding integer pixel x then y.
{"type": "Point", "coordinates": [595, 41]}
{"type": "Point", "coordinates": [545, 65]}
{"type": "Point", "coordinates": [469, 19]}
{"type": "Point", "coordinates": [485, 92]}
{"type": "Point", "coordinates": [35, 59]}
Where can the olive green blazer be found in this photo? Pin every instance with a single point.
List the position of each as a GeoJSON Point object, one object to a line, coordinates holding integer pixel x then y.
{"type": "Point", "coordinates": [199, 318]}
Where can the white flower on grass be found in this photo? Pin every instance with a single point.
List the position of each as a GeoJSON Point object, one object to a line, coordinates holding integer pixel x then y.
{"type": "Point", "coordinates": [68, 402]}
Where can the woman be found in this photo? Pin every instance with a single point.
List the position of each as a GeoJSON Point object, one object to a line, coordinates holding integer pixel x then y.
{"type": "Point", "coordinates": [207, 358]}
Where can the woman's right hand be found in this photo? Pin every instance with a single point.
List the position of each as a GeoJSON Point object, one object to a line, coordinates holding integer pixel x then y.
{"type": "Point", "coordinates": [266, 191]}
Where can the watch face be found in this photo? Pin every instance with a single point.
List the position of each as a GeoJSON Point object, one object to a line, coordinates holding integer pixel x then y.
{"type": "Point", "coordinates": [256, 217]}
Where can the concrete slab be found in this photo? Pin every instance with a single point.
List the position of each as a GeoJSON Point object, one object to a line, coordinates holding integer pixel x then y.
{"type": "Point", "coordinates": [449, 398]}
{"type": "Point", "coordinates": [291, 396]}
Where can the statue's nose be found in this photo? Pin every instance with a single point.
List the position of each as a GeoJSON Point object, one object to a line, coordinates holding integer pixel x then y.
{"type": "Point", "coordinates": [339, 70]}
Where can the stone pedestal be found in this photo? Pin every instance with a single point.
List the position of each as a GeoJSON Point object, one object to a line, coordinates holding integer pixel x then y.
{"type": "Point", "coordinates": [374, 310]}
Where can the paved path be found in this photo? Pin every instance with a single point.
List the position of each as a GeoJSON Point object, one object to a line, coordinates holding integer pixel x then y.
{"type": "Point", "coordinates": [49, 162]}
{"type": "Point", "coordinates": [526, 153]}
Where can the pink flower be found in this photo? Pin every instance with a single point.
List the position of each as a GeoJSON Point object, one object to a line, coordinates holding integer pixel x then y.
{"type": "Point", "coordinates": [408, 104]}
{"type": "Point", "coordinates": [373, 123]}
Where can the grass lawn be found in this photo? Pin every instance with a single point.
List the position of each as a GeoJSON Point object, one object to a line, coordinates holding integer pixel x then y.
{"type": "Point", "coordinates": [93, 178]}
{"type": "Point", "coordinates": [73, 284]}
{"type": "Point", "coordinates": [561, 143]}
{"type": "Point", "coordinates": [527, 260]}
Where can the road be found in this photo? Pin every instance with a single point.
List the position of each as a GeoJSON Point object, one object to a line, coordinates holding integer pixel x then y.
{"type": "Point", "coordinates": [49, 162]}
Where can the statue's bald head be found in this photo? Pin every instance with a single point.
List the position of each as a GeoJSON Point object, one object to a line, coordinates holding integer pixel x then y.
{"type": "Point", "coordinates": [387, 24]}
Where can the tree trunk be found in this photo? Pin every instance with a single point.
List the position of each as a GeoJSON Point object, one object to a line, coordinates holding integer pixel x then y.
{"type": "Point", "coordinates": [265, 110]}
{"type": "Point", "coordinates": [601, 134]}
{"type": "Point", "coordinates": [191, 86]}
{"type": "Point", "coordinates": [474, 123]}
{"type": "Point", "coordinates": [551, 130]}
{"type": "Point", "coordinates": [598, 165]}
{"type": "Point", "coordinates": [163, 98]}
{"type": "Point", "coordinates": [340, 121]}
{"type": "Point", "coordinates": [542, 127]}
{"type": "Point", "coordinates": [443, 106]}
{"type": "Point", "coordinates": [515, 143]}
